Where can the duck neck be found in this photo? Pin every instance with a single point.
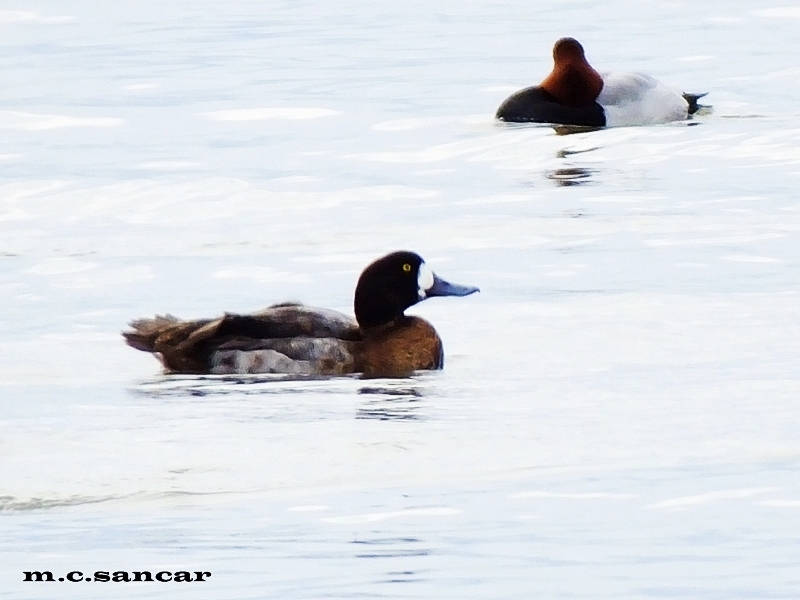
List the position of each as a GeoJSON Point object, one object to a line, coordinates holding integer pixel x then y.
{"type": "Point", "coordinates": [371, 331]}
{"type": "Point", "coordinates": [573, 82]}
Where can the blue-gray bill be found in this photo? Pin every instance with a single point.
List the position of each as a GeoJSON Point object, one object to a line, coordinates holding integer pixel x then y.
{"type": "Point", "coordinates": [441, 287]}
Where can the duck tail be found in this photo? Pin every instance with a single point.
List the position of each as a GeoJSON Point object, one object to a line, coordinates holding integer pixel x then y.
{"type": "Point", "coordinates": [692, 100]}
{"type": "Point", "coordinates": [146, 331]}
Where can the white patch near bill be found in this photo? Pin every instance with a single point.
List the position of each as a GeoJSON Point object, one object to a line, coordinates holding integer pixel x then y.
{"type": "Point", "coordinates": [424, 280]}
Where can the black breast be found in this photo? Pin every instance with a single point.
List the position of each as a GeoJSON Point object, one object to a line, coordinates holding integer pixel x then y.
{"type": "Point", "coordinates": [535, 105]}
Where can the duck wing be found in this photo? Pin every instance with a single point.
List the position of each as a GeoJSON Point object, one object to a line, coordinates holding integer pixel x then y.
{"type": "Point", "coordinates": [290, 356]}
{"type": "Point", "coordinates": [190, 346]}
{"type": "Point", "coordinates": [287, 321]}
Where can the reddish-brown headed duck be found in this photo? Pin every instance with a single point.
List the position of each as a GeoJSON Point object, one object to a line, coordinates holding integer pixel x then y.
{"type": "Point", "coordinates": [299, 340]}
{"type": "Point", "coordinates": [575, 94]}
{"type": "Point", "coordinates": [573, 82]}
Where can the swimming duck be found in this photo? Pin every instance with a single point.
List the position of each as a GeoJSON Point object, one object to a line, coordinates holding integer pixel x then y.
{"type": "Point", "coordinates": [575, 94]}
{"type": "Point", "coordinates": [295, 339]}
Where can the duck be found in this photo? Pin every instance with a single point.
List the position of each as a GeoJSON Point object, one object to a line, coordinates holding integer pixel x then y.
{"type": "Point", "coordinates": [574, 93]}
{"type": "Point", "coordinates": [293, 339]}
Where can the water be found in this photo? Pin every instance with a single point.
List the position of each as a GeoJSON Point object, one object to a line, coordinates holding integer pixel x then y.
{"type": "Point", "coordinates": [618, 412]}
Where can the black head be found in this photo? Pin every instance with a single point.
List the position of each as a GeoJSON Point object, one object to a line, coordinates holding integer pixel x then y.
{"type": "Point", "coordinates": [391, 284]}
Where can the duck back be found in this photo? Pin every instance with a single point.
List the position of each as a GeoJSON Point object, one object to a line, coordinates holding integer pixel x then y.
{"type": "Point", "coordinates": [639, 99]}
{"type": "Point", "coordinates": [192, 346]}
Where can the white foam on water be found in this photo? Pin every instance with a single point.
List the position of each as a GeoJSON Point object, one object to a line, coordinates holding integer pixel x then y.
{"type": "Point", "coordinates": [259, 274]}
{"type": "Point", "coordinates": [25, 121]}
{"type": "Point", "coordinates": [168, 165]}
{"type": "Point", "coordinates": [572, 495]}
{"type": "Point", "coordinates": [410, 513]}
{"type": "Point", "coordinates": [712, 497]}
{"type": "Point", "coordinates": [782, 12]}
{"type": "Point", "coordinates": [781, 503]}
{"type": "Point", "coordinates": [140, 87]}
{"type": "Point", "coordinates": [266, 114]}
{"type": "Point", "coordinates": [308, 508]}
{"type": "Point", "coordinates": [61, 266]}
{"type": "Point", "coordinates": [24, 16]}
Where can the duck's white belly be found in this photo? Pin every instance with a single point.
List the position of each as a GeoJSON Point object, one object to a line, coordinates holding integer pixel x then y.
{"type": "Point", "coordinates": [638, 99]}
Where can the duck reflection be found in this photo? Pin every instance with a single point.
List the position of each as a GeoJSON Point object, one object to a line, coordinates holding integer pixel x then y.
{"type": "Point", "coordinates": [215, 385]}
{"type": "Point", "coordinates": [570, 129]}
{"type": "Point", "coordinates": [402, 548]}
{"type": "Point", "coordinates": [391, 403]}
{"type": "Point", "coordinates": [571, 176]}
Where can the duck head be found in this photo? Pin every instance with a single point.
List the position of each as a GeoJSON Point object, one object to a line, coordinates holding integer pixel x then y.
{"type": "Point", "coordinates": [573, 82]}
{"type": "Point", "coordinates": [388, 286]}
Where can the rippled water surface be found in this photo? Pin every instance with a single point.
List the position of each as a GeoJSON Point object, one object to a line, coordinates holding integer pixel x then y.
{"type": "Point", "coordinates": [618, 416]}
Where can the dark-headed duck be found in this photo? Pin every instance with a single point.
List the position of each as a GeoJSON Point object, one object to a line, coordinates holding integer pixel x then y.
{"type": "Point", "coordinates": [575, 94]}
{"type": "Point", "coordinates": [295, 339]}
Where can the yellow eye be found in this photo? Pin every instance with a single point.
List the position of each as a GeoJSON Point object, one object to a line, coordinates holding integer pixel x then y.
{"type": "Point", "coordinates": [406, 267]}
